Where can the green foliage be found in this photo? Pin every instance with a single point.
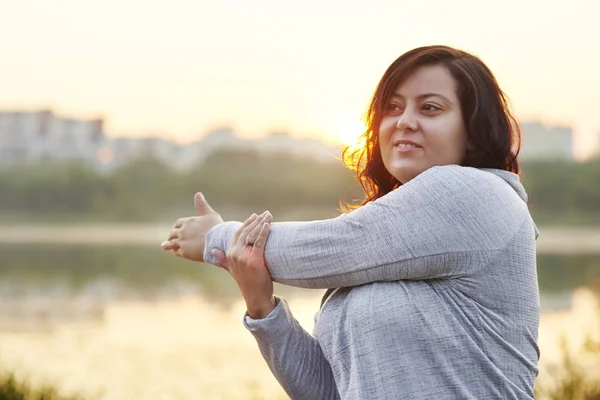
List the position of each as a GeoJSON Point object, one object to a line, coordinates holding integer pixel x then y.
{"type": "Point", "coordinates": [559, 192]}
{"type": "Point", "coordinates": [570, 380]}
{"type": "Point", "coordinates": [557, 272]}
{"type": "Point", "coordinates": [13, 389]}
{"type": "Point", "coordinates": [55, 188]}
{"type": "Point", "coordinates": [275, 181]}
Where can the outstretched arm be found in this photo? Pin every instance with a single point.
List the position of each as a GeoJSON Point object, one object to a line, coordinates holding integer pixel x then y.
{"type": "Point", "coordinates": [443, 224]}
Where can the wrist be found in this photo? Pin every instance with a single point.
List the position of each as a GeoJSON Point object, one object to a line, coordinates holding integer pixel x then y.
{"type": "Point", "coordinates": [260, 310]}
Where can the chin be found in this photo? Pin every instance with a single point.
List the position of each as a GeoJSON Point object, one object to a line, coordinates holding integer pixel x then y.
{"type": "Point", "coordinates": [405, 174]}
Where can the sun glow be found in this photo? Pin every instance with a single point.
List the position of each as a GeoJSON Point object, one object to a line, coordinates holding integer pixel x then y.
{"type": "Point", "coordinates": [349, 130]}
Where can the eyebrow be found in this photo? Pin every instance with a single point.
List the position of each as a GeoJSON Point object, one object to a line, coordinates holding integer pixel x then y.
{"type": "Point", "coordinates": [425, 96]}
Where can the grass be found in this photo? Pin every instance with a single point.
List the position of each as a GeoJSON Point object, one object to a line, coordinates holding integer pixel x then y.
{"type": "Point", "coordinates": [571, 382]}
{"type": "Point", "coordinates": [12, 388]}
{"type": "Point", "coordinates": [571, 379]}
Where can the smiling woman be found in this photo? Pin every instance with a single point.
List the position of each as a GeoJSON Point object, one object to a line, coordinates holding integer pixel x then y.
{"type": "Point", "coordinates": [422, 124]}
{"type": "Point", "coordinates": [432, 285]}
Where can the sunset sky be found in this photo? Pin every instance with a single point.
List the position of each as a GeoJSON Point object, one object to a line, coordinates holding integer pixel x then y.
{"type": "Point", "coordinates": [177, 68]}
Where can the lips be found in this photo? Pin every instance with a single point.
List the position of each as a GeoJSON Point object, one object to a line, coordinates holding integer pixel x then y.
{"type": "Point", "coordinates": [406, 144]}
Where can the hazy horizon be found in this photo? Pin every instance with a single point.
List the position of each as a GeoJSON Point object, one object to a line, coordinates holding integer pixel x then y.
{"type": "Point", "coordinates": [180, 68]}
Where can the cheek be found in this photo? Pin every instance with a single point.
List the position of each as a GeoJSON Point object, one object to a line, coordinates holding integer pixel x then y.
{"type": "Point", "coordinates": [387, 127]}
{"type": "Point", "coordinates": [460, 140]}
{"type": "Point", "coordinates": [458, 144]}
{"type": "Point", "coordinates": [450, 140]}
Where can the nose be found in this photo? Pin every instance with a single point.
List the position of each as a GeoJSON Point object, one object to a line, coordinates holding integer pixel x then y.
{"type": "Point", "coordinates": [407, 121]}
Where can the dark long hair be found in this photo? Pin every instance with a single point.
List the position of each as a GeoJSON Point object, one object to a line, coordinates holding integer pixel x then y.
{"type": "Point", "coordinates": [492, 131]}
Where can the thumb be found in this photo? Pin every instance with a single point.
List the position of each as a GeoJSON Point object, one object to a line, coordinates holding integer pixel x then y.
{"type": "Point", "coordinates": [201, 205]}
{"type": "Point", "coordinates": [221, 258]}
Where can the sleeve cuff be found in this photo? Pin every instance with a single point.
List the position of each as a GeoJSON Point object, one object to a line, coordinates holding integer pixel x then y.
{"type": "Point", "coordinates": [277, 321]}
{"type": "Point", "coordinates": [219, 237]}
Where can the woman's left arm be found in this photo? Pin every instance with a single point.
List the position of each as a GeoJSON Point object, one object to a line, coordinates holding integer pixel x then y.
{"type": "Point", "coordinates": [440, 225]}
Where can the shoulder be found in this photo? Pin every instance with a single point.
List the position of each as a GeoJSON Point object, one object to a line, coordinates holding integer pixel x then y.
{"type": "Point", "coordinates": [457, 174]}
{"type": "Point", "coordinates": [463, 180]}
{"type": "Point", "coordinates": [453, 187]}
{"type": "Point", "coordinates": [462, 200]}
{"type": "Point", "coordinates": [480, 199]}
{"type": "Point", "coordinates": [468, 188]}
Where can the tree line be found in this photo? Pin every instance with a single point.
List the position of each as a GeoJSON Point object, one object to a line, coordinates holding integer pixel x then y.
{"type": "Point", "coordinates": [146, 190]}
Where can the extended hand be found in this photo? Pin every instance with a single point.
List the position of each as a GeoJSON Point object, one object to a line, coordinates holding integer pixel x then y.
{"type": "Point", "coordinates": [245, 261]}
{"type": "Point", "coordinates": [188, 235]}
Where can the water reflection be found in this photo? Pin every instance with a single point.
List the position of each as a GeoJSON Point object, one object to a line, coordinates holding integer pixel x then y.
{"type": "Point", "coordinates": [102, 273]}
{"type": "Point", "coordinates": [52, 284]}
{"type": "Point", "coordinates": [122, 322]}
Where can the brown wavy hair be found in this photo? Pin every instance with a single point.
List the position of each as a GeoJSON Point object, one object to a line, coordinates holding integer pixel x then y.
{"type": "Point", "coordinates": [493, 133]}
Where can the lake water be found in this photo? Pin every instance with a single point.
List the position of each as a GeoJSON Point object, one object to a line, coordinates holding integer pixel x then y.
{"type": "Point", "coordinates": [131, 321]}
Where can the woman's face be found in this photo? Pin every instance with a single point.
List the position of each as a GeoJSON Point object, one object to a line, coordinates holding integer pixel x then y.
{"type": "Point", "coordinates": [422, 124]}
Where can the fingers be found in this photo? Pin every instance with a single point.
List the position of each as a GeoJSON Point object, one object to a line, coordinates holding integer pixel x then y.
{"type": "Point", "coordinates": [202, 205]}
{"type": "Point", "coordinates": [245, 231]}
{"type": "Point", "coordinates": [221, 258]}
{"type": "Point", "coordinates": [174, 234]}
{"type": "Point", "coordinates": [261, 240]}
{"type": "Point", "coordinates": [172, 244]}
{"type": "Point", "coordinates": [253, 235]}
{"type": "Point", "coordinates": [267, 217]}
{"type": "Point", "coordinates": [236, 235]}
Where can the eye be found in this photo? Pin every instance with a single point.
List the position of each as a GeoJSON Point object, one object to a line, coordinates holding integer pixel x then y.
{"type": "Point", "coordinates": [428, 107]}
{"type": "Point", "coordinates": [393, 108]}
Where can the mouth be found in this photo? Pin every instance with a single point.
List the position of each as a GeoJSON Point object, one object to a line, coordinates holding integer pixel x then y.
{"type": "Point", "coordinates": [406, 145]}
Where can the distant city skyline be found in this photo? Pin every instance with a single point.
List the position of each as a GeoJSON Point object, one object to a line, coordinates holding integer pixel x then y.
{"type": "Point", "coordinates": [179, 69]}
{"type": "Point", "coordinates": [37, 136]}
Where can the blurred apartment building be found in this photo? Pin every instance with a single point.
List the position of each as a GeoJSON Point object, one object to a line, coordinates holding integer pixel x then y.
{"type": "Point", "coordinates": [31, 137]}
{"type": "Point", "coordinates": [541, 142]}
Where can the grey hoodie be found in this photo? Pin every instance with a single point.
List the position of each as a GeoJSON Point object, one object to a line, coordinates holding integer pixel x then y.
{"type": "Point", "coordinates": [438, 295]}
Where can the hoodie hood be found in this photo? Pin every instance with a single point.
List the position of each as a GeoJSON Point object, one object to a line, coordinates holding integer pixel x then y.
{"type": "Point", "coordinates": [513, 181]}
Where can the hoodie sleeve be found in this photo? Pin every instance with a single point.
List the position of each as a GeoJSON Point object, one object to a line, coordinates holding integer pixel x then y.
{"type": "Point", "coordinates": [448, 222]}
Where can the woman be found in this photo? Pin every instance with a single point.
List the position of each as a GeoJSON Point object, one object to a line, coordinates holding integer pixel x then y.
{"type": "Point", "coordinates": [436, 273]}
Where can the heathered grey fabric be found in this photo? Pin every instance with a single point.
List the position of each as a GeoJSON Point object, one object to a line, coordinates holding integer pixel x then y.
{"type": "Point", "coordinates": [439, 296]}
